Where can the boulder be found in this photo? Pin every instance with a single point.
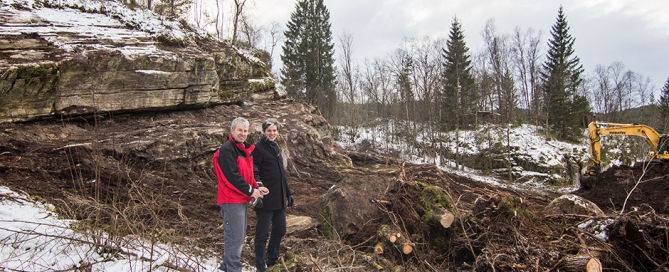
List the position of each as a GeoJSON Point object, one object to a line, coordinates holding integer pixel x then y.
{"type": "Point", "coordinates": [569, 204]}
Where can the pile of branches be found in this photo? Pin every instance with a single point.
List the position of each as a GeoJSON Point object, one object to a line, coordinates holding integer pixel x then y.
{"type": "Point", "coordinates": [431, 227]}
{"type": "Point", "coordinates": [641, 240]}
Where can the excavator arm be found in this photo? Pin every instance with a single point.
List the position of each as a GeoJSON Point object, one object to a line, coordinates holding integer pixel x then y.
{"type": "Point", "coordinates": [658, 143]}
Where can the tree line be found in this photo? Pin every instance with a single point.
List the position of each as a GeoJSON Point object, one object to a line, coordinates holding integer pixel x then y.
{"type": "Point", "coordinates": [441, 84]}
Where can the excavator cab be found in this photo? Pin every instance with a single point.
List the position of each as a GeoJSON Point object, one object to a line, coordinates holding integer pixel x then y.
{"type": "Point", "coordinates": [663, 146]}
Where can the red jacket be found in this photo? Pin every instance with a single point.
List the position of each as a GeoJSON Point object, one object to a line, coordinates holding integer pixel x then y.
{"type": "Point", "coordinates": [233, 165]}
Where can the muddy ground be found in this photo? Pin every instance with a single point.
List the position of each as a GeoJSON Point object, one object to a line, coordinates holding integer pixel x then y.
{"type": "Point", "coordinates": [151, 173]}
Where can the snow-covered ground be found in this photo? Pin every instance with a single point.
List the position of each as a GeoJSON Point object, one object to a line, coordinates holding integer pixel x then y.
{"type": "Point", "coordinates": [525, 139]}
{"type": "Point", "coordinates": [528, 142]}
{"type": "Point", "coordinates": [91, 22]}
{"type": "Point", "coordinates": [80, 25]}
{"type": "Point", "coordinates": [33, 238]}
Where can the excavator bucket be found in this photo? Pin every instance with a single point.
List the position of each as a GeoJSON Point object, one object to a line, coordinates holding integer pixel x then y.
{"type": "Point", "coordinates": [587, 182]}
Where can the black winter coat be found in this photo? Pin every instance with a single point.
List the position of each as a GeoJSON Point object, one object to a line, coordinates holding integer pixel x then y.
{"type": "Point", "coordinates": [269, 169]}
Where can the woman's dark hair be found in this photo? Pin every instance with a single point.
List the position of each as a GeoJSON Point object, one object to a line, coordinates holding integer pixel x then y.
{"type": "Point", "coordinates": [269, 122]}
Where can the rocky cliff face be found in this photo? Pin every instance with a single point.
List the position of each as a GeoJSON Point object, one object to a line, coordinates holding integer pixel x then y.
{"type": "Point", "coordinates": [113, 59]}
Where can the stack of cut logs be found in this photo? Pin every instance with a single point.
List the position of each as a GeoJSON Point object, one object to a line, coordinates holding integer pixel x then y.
{"type": "Point", "coordinates": [393, 236]}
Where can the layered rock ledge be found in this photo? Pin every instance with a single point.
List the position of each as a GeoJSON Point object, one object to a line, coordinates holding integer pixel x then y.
{"type": "Point", "coordinates": [113, 59]}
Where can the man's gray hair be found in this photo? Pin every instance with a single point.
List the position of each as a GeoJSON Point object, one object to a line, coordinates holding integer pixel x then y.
{"type": "Point", "coordinates": [269, 122]}
{"type": "Point", "coordinates": [239, 121]}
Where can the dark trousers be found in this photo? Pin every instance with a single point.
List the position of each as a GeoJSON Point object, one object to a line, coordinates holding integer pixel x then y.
{"type": "Point", "coordinates": [277, 219]}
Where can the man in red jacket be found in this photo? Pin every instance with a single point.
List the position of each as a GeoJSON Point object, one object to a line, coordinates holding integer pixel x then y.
{"type": "Point", "coordinates": [233, 165]}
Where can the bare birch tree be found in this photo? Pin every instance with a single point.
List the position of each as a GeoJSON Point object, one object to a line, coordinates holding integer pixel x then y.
{"type": "Point", "coordinates": [219, 19]}
{"type": "Point", "coordinates": [239, 9]}
{"type": "Point", "coordinates": [197, 13]}
{"type": "Point", "coordinates": [250, 32]}
{"type": "Point", "coordinates": [525, 56]}
{"type": "Point", "coordinates": [347, 73]}
{"type": "Point", "coordinates": [272, 38]}
{"type": "Point", "coordinates": [349, 111]}
{"type": "Point", "coordinates": [602, 98]}
{"type": "Point", "coordinates": [498, 56]}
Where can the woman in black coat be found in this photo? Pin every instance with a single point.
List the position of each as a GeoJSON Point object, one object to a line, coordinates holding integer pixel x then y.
{"type": "Point", "coordinates": [271, 173]}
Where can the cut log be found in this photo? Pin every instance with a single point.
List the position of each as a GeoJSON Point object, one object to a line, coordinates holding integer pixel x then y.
{"type": "Point", "coordinates": [388, 233]}
{"type": "Point", "coordinates": [407, 248]}
{"type": "Point", "coordinates": [581, 262]}
{"type": "Point", "coordinates": [593, 265]}
{"type": "Point", "coordinates": [392, 238]}
{"type": "Point", "coordinates": [403, 243]}
{"type": "Point", "coordinates": [443, 216]}
{"type": "Point", "coordinates": [378, 248]}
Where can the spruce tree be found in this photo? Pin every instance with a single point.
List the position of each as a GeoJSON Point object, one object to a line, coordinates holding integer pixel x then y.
{"type": "Point", "coordinates": [561, 76]}
{"type": "Point", "coordinates": [664, 106]}
{"type": "Point", "coordinates": [459, 99]}
{"type": "Point", "coordinates": [171, 8]}
{"type": "Point", "coordinates": [308, 71]}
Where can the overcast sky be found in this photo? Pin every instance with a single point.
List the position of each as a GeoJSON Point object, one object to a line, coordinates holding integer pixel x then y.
{"type": "Point", "coordinates": [635, 33]}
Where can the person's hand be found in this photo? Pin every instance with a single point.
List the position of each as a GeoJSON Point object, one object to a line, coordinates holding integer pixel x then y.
{"type": "Point", "coordinates": [291, 201]}
{"type": "Point", "coordinates": [263, 190]}
{"type": "Point", "coordinates": [256, 193]}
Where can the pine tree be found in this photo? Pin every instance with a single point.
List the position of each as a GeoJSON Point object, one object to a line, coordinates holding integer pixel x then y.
{"type": "Point", "coordinates": [308, 71]}
{"type": "Point", "coordinates": [459, 98]}
{"type": "Point", "coordinates": [664, 106]}
{"type": "Point", "coordinates": [561, 77]}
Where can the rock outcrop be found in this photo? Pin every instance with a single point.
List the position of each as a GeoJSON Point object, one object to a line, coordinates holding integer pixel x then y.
{"type": "Point", "coordinates": [113, 59]}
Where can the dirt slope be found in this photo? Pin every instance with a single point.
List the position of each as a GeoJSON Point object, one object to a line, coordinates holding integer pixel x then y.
{"type": "Point", "coordinates": [151, 174]}
{"type": "Point", "coordinates": [640, 184]}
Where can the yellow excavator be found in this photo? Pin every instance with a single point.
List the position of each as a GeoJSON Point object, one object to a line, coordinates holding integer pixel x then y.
{"type": "Point", "coordinates": [659, 143]}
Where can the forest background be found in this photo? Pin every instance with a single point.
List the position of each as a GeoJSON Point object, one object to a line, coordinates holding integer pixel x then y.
{"type": "Point", "coordinates": [509, 73]}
